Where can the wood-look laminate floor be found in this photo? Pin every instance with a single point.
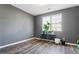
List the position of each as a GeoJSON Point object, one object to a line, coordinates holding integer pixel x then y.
{"type": "Point", "coordinates": [36, 46]}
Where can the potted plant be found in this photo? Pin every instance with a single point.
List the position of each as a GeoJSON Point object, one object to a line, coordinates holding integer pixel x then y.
{"type": "Point", "coordinates": [78, 43]}
{"type": "Point", "coordinates": [46, 27]}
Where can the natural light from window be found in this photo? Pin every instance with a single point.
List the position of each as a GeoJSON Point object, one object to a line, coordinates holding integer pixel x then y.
{"type": "Point", "coordinates": [55, 22]}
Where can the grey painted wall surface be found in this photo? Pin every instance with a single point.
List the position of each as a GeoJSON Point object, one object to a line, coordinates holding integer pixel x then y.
{"type": "Point", "coordinates": [15, 25]}
{"type": "Point", "coordinates": [70, 24]}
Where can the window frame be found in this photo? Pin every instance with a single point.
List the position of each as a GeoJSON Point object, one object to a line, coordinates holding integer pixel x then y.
{"type": "Point", "coordinates": [50, 20]}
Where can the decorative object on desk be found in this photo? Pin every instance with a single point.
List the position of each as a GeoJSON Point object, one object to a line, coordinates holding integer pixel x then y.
{"type": "Point", "coordinates": [63, 41]}
{"type": "Point", "coordinates": [46, 27]}
{"type": "Point", "coordinates": [78, 43]}
{"type": "Point", "coordinates": [57, 40]}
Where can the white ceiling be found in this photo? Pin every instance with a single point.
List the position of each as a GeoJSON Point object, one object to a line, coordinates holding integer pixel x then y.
{"type": "Point", "coordinates": [37, 9]}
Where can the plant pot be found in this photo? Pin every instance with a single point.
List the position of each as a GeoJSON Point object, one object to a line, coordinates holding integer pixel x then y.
{"type": "Point", "coordinates": [62, 42]}
{"type": "Point", "coordinates": [57, 40]}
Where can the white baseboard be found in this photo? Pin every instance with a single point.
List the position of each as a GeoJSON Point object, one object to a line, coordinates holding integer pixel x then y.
{"type": "Point", "coordinates": [14, 43]}
{"type": "Point", "coordinates": [71, 44]}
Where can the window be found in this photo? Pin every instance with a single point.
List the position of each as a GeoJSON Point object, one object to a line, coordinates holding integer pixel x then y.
{"type": "Point", "coordinates": [45, 20]}
{"type": "Point", "coordinates": [55, 22]}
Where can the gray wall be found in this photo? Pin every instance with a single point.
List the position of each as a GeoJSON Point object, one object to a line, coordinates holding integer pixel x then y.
{"type": "Point", "coordinates": [70, 24]}
{"type": "Point", "coordinates": [15, 25]}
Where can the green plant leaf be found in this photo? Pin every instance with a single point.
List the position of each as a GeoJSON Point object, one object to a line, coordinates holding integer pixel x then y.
{"type": "Point", "coordinates": [46, 27]}
{"type": "Point", "coordinates": [77, 41]}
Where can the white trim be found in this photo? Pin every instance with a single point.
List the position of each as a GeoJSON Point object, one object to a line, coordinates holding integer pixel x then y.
{"type": "Point", "coordinates": [14, 43]}
{"type": "Point", "coordinates": [71, 44]}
